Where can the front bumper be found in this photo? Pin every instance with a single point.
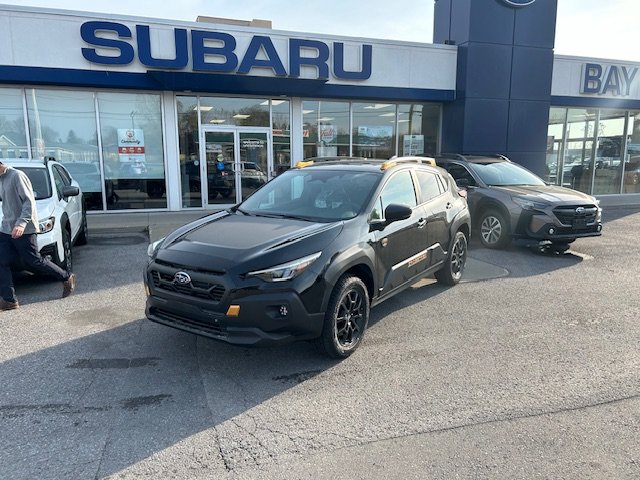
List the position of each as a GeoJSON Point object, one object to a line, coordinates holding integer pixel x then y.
{"type": "Point", "coordinates": [264, 318]}
{"type": "Point", "coordinates": [541, 226]}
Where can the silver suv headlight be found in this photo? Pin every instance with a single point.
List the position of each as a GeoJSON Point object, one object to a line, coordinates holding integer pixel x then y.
{"type": "Point", "coordinates": [45, 226]}
{"type": "Point", "coordinates": [528, 204]}
{"type": "Point", "coordinates": [286, 271]}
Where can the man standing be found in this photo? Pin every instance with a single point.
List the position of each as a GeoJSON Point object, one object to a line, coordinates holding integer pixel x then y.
{"type": "Point", "coordinates": [18, 236]}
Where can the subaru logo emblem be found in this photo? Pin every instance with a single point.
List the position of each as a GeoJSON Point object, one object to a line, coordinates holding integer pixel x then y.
{"type": "Point", "coordinates": [580, 210]}
{"type": "Point", "coordinates": [182, 278]}
{"type": "Point", "coordinates": [518, 3]}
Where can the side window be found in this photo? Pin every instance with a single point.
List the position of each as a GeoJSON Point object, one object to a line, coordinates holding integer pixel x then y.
{"type": "Point", "coordinates": [458, 172]}
{"type": "Point", "coordinates": [66, 178]}
{"type": "Point", "coordinates": [399, 189]}
{"type": "Point", "coordinates": [429, 186]}
{"type": "Point", "coordinates": [57, 178]}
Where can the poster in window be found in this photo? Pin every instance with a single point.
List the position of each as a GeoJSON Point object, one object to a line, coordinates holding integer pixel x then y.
{"type": "Point", "coordinates": [413, 145]}
{"type": "Point", "coordinates": [131, 152]}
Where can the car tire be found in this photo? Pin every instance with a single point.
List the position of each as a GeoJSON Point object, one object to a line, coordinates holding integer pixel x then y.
{"type": "Point", "coordinates": [83, 236]}
{"type": "Point", "coordinates": [66, 263]}
{"type": "Point", "coordinates": [451, 272]}
{"type": "Point", "coordinates": [346, 318]}
{"type": "Point", "coordinates": [494, 229]}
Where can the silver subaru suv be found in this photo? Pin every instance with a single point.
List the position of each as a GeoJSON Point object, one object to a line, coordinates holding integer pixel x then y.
{"type": "Point", "coordinates": [510, 203]}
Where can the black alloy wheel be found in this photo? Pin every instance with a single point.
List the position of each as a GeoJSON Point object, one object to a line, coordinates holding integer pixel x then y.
{"type": "Point", "coordinates": [451, 272]}
{"type": "Point", "coordinates": [494, 230]}
{"type": "Point", "coordinates": [66, 263]}
{"type": "Point", "coordinates": [346, 318]}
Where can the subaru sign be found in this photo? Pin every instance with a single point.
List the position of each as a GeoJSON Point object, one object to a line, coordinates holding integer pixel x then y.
{"type": "Point", "coordinates": [216, 52]}
{"type": "Point", "coordinates": [518, 3]}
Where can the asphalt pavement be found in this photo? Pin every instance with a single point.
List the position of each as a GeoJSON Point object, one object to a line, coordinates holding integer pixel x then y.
{"type": "Point", "coordinates": [528, 369]}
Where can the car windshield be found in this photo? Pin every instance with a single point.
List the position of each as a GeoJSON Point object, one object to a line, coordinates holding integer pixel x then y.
{"type": "Point", "coordinates": [320, 195]}
{"type": "Point", "coordinates": [505, 174]}
{"type": "Point", "coordinates": [39, 178]}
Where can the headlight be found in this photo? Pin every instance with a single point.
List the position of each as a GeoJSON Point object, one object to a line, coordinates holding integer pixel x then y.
{"type": "Point", "coordinates": [47, 225]}
{"type": "Point", "coordinates": [528, 204]}
{"type": "Point", "coordinates": [287, 271]}
{"type": "Point", "coordinates": [153, 247]}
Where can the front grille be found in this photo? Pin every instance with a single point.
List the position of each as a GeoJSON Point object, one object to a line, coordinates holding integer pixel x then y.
{"type": "Point", "coordinates": [585, 215]}
{"type": "Point", "coordinates": [180, 321]}
{"type": "Point", "coordinates": [198, 289]}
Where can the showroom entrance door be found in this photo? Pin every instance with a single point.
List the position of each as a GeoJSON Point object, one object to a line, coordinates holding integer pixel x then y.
{"type": "Point", "coordinates": [235, 162]}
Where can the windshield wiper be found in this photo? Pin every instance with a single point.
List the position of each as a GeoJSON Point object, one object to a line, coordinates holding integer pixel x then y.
{"type": "Point", "coordinates": [283, 215]}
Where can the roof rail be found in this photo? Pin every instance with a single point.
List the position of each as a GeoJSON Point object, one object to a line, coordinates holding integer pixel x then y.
{"type": "Point", "coordinates": [502, 157]}
{"type": "Point", "coordinates": [453, 155]}
{"type": "Point", "coordinates": [48, 158]}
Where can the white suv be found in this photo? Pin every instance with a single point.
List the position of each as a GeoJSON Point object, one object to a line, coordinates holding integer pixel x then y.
{"type": "Point", "coordinates": [61, 211]}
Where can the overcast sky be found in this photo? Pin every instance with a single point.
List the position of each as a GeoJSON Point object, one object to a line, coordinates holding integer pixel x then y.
{"type": "Point", "coordinates": [589, 28]}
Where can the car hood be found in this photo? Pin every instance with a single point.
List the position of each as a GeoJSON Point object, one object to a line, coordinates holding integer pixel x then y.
{"type": "Point", "coordinates": [223, 242]}
{"type": "Point", "coordinates": [44, 208]}
{"type": "Point", "coordinates": [547, 193]}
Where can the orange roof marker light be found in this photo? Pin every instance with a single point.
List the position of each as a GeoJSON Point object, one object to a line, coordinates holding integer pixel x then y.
{"type": "Point", "coordinates": [304, 164]}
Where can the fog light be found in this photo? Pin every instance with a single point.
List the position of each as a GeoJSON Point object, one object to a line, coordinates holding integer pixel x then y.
{"type": "Point", "coordinates": [552, 231]}
{"type": "Point", "coordinates": [599, 228]}
{"type": "Point", "coordinates": [284, 311]}
{"type": "Point", "coordinates": [233, 310]}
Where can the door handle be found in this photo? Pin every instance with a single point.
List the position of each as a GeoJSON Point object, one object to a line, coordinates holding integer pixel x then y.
{"type": "Point", "coordinates": [422, 222]}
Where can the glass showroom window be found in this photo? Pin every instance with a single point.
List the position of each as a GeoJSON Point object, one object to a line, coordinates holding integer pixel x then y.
{"type": "Point", "coordinates": [325, 129]}
{"type": "Point", "coordinates": [374, 130]}
{"type": "Point", "coordinates": [555, 137]}
{"type": "Point", "coordinates": [631, 177]}
{"type": "Point", "coordinates": [240, 112]}
{"type": "Point", "coordinates": [418, 127]}
{"type": "Point", "coordinates": [281, 125]}
{"type": "Point", "coordinates": [132, 150]}
{"type": "Point", "coordinates": [189, 154]}
{"type": "Point", "coordinates": [62, 124]}
{"type": "Point", "coordinates": [13, 137]}
{"type": "Point", "coordinates": [579, 152]}
{"type": "Point", "coordinates": [609, 151]}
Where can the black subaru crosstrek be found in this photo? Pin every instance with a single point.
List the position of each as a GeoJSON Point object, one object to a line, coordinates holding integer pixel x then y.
{"type": "Point", "coordinates": [308, 253]}
{"type": "Point", "coordinates": [508, 202]}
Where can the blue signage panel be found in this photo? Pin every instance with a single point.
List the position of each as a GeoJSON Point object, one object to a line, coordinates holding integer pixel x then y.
{"type": "Point", "coordinates": [223, 58]}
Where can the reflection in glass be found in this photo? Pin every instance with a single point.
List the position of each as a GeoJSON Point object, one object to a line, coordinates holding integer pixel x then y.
{"type": "Point", "coordinates": [325, 129]}
{"type": "Point", "coordinates": [555, 137]}
{"type": "Point", "coordinates": [281, 124]}
{"type": "Point", "coordinates": [418, 126]}
{"type": "Point", "coordinates": [220, 156]}
{"type": "Point", "coordinates": [631, 177]}
{"type": "Point", "coordinates": [253, 161]}
{"type": "Point", "coordinates": [219, 111]}
{"type": "Point", "coordinates": [578, 155]}
{"type": "Point", "coordinates": [374, 126]}
{"type": "Point", "coordinates": [608, 164]}
{"type": "Point", "coordinates": [189, 145]}
{"type": "Point", "coordinates": [13, 138]}
{"type": "Point", "coordinates": [132, 149]}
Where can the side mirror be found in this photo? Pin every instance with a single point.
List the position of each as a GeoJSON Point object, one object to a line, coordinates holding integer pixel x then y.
{"type": "Point", "coordinates": [70, 191]}
{"type": "Point", "coordinates": [396, 212]}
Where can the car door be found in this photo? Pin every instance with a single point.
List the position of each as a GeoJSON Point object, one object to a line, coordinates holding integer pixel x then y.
{"type": "Point", "coordinates": [400, 247]}
{"type": "Point", "coordinates": [72, 205]}
{"type": "Point", "coordinates": [465, 179]}
{"type": "Point", "coordinates": [436, 204]}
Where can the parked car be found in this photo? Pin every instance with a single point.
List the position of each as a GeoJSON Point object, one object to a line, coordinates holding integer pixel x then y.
{"type": "Point", "coordinates": [61, 211]}
{"type": "Point", "coordinates": [508, 202]}
{"type": "Point", "coordinates": [308, 254]}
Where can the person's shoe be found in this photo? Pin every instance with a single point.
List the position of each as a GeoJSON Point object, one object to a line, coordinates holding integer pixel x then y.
{"type": "Point", "coordinates": [69, 285]}
{"type": "Point", "coordinates": [5, 305]}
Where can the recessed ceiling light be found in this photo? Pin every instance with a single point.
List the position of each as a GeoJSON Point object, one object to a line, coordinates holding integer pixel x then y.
{"type": "Point", "coordinates": [326, 119]}
{"type": "Point", "coordinates": [241, 116]}
{"type": "Point", "coordinates": [202, 109]}
{"type": "Point", "coordinates": [306, 112]}
{"type": "Point", "coordinates": [390, 114]}
{"type": "Point", "coordinates": [217, 120]}
{"type": "Point", "coordinates": [377, 106]}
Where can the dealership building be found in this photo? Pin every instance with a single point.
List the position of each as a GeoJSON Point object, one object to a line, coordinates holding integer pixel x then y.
{"type": "Point", "coordinates": [153, 115]}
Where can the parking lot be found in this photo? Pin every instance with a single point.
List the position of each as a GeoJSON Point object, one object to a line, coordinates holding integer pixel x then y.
{"type": "Point", "coordinates": [528, 369]}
